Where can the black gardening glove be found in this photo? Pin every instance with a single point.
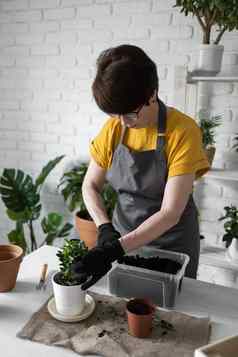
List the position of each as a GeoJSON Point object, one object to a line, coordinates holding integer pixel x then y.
{"type": "Point", "coordinates": [97, 262]}
{"type": "Point", "coordinates": [106, 233]}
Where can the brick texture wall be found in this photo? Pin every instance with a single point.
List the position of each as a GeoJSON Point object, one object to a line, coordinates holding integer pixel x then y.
{"type": "Point", "coordinates": [48, 50]}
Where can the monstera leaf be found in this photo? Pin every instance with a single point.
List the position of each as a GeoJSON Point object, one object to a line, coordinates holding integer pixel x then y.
{"type": "Point", "coordinates": [46, 170]}
{"type": "Point", "coordinates": [18, 191]}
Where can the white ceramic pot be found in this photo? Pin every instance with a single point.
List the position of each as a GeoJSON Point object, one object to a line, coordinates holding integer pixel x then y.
{"type": "Point", "coordinates": [69, 300]}
{"type": "Point", "coordinates": [233, 250]}
{"type": "Point", "coordinates": [210, 59]}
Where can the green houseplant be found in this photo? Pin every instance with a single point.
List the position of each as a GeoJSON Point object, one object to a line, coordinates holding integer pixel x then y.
{"type": "Point", "coordinates": [207, 125]}
{"type": "Point", "coordinates": [71, 188]}
{"type": "Point", "coordinates": [213, 16]}
{"type": "Point", "coordinates": [22, 198]}
{"type": "Point", "coordinates": [69, 298]}
{"type": "Point", "coordinates": [231, 224]}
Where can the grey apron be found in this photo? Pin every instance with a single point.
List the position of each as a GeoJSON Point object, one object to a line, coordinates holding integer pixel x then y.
{"type": "Point", "coordinates": [139, 178]}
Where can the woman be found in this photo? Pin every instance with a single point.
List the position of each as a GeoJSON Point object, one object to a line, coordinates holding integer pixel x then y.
{"type": "Point", "coordinates": [150, 154]}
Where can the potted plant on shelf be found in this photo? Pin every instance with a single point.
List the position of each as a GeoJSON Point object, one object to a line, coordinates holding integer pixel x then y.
{"type": "Point", "coordinates": [71, 189]}
{"type": "Point", "coordinates": [22, 198]}
{"type": "Point", "coordinates": [69, 297]}
{"type": "Point", "coordinates": [231, 231]}
{"type": "Point", "coordinates": [207, 125]}
{"type": "Point", "coordinates": [218, 15]}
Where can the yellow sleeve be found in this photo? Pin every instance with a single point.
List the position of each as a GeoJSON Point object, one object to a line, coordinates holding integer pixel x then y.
{"type": "Point", "coordinates": [103, 145]}
{"type": "Point", "coordinates": [187, 154]}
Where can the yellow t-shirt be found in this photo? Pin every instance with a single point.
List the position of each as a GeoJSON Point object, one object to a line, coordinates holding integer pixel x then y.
{"type": "Point", "coordinates": [183, 146]}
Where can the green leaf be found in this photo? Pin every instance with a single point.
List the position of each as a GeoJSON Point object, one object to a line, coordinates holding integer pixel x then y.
{"type": "Point", "coordinates": [55, 219]}
{"type": "Point", "coordinates": [18, 191]}
{"type": "Point", "coordinates": [53, 226]}
{"type": "Point", "coordinates": [18, 238]}
{"type": "Point", "coordinates": [19, 216]}
{"type": "Point", "coordinates": [47, 169]}
{"type": "Point", "coordinates": [64, 232]}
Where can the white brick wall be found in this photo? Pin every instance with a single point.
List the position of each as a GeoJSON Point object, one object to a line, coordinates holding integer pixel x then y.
{"type": "Point", "coordinates": [48, 50]}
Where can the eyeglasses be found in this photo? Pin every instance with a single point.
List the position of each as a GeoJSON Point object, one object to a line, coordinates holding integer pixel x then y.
{"type": "Point", "coordinates": [132, 116]}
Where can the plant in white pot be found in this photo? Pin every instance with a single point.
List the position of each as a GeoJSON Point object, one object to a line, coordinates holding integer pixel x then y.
{"type": "Point", "coordinates": [215, 17]}
{"type": "Point", "coordinates": [207, 124]}
{"type": "Point", "coordinates": [69, 297]}
{"type": "Point", "coordinates": [231, 231]}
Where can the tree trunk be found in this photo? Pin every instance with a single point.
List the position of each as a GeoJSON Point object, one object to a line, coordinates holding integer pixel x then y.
{"type": "Point", "coordinates": [206, 36]}
{"type": "Point", "coordinates": [32, 236]}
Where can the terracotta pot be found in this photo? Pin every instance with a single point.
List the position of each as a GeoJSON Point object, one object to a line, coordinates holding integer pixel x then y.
{"type": "Point", "coordinates": [210, 152]}
{"type": "Point", "coordinates": [10, 259]}
{"type": "Point", "coordinates": [140, 316]}
{"type": "Point", "coordinates": [87, 231]}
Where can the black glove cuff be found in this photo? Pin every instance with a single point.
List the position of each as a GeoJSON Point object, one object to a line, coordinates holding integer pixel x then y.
{"type": "Point", "coordinates": [106, 226]}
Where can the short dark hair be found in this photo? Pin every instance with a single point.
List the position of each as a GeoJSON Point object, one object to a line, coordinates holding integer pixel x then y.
{"type": "Point", "coordinates": [126, 78]}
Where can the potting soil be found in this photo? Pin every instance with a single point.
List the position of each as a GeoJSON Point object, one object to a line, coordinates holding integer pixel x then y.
{"type": "Point", "coordinates": [163, 265]}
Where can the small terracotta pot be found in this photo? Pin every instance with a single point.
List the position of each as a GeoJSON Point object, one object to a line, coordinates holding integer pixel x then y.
{"type": "Point", "coordinates": [87, 231]}
{"type": "Point", "coordinates": [140, 314]}
{"type": "Point", "coordinates": [10, 259]}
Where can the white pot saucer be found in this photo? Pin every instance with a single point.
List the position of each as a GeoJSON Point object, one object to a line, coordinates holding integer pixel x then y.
{"type": "Point", "coordinates": [87, 311]}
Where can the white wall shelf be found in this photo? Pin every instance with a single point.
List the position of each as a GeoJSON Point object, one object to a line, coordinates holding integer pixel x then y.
{"type": "Point", "coordinates": [222, 174]}
{"type": "Point", "coordinates": [192, 78]}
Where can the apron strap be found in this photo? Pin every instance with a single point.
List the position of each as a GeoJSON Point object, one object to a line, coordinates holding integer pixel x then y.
{"type": "Point", "coordinates": [123, 131]}
{"type": "Point", "coordinates": [162, 115]}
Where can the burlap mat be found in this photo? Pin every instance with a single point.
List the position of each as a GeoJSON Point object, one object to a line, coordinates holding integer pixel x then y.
{"type": "Point", "coordinates": [105, 332]}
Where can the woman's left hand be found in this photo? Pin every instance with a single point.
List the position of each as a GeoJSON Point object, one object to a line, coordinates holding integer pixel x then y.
{"type": "Point", "coordinates": [97, 262]}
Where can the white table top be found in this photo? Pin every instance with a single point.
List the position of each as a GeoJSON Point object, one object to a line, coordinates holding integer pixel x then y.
{"type": "Point", "coordinates": [16, 307]}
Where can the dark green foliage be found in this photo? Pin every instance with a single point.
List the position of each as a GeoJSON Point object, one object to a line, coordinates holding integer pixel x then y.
{"type": "Point", "coordinates": [207, 125]}
{"type": "Point", "coordinates": [222, 14]}
{"type": "Point", "coordinates": [18, 191]}
{"type": "Point", "coordinates": [21, 196]}
{"type": "Point", "coordinates": [231, 224]}
{"type": "Point", "coordinates": [71, 183]}
{"type": "Point", "coordinates": [71, 251]}
{"type": "Point", "coordinates": [54, 227]}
